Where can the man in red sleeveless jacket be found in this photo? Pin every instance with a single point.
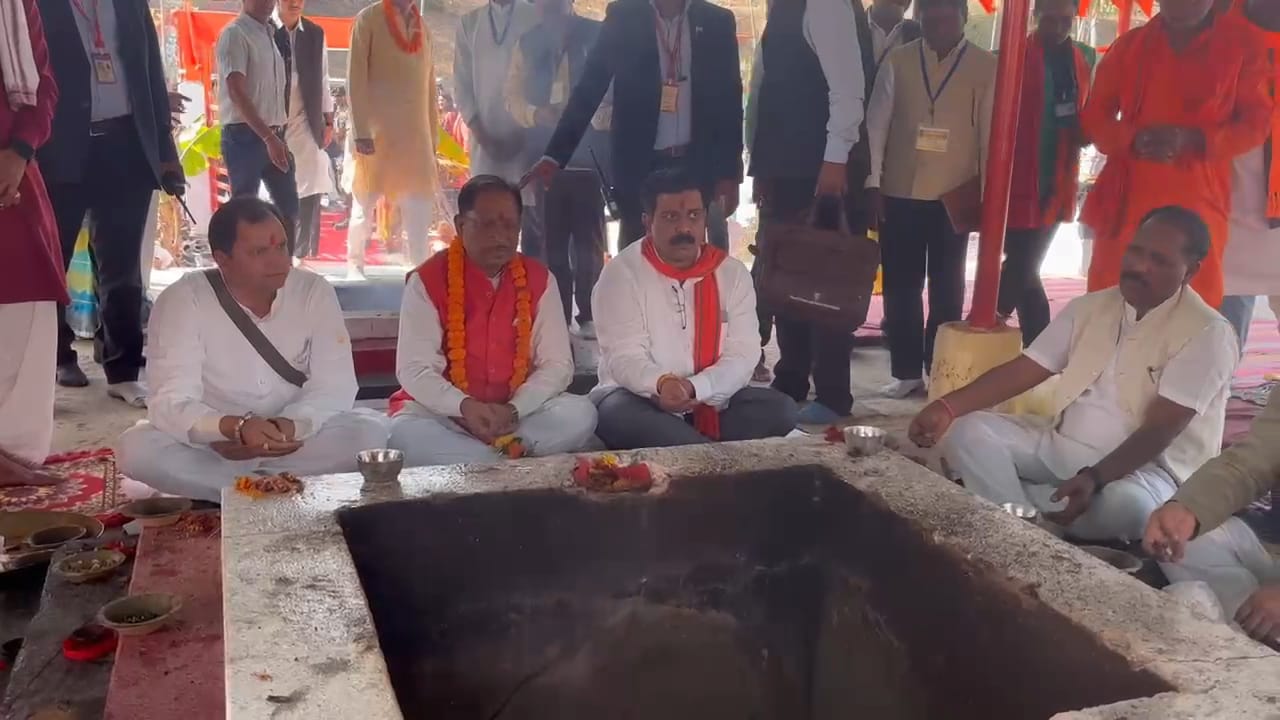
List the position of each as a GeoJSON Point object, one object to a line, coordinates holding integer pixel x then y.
{"type": "Point", "coordinates": [484, 356]}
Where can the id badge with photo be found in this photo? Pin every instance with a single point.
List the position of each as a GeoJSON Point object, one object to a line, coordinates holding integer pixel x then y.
{"type": "Point", "coordinates": [670, 96]}
{"type": "Point", "coordinates": [932, 139]}
{"type": "Point", "coordinates": [104, 69]}
{"type": "Point", "coordinates": [1064, 110]}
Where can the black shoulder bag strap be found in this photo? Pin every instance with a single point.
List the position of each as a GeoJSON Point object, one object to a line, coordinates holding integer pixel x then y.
{"type": "Point", "coordinates": [249, 329]}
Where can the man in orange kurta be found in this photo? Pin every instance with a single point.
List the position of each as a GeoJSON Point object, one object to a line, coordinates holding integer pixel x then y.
{"type": "Point", "coordinates": [1174, 102]}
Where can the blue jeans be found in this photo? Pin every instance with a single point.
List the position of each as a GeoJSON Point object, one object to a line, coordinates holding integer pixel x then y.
{"type": "Point", "coordinates": [1238, 310]}
{"type": "Point", "coordinates": [249, 166]}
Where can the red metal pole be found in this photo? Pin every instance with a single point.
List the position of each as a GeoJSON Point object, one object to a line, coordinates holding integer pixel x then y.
{"type": "Point", "coordinates": [1125, 20]}
{"type": "Point", "coordinates": [995, 195]}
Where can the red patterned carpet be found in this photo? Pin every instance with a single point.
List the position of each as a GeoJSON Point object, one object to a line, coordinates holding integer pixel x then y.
{"type": "Point", "coordinates": [92, 486]}
{"type": "Point", "coordinates": [333, 243]}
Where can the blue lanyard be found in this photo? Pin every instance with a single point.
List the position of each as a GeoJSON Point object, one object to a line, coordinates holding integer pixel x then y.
{"type": "Point", "coordinates": [924, 73]}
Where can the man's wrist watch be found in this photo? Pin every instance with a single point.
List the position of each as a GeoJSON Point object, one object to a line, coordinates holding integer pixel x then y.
{"type": "Point", "coordinates": [238, 432]}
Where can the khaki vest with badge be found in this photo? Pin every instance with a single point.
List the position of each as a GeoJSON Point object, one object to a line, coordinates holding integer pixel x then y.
{"type": "Point", "coordinates": [951, 138]}
{"type": "Point", "coordinates": [1143, 355]}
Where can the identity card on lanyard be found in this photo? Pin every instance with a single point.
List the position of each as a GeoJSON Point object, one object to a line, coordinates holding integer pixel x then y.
{"type": "Point", "coordinates": [929, 138]}
{"type": "Point", "coordinates": [672, 52]}
{"type": "Point", "coordinates": [104, 68]}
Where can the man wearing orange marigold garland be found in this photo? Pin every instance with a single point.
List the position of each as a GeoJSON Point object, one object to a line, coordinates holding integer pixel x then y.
{"type": "Point", "coordinates": [679, 336]}
{"type": "Point", "coordinates": [483, 357]}
{"type": "Point", "coordinates": [391, 83]}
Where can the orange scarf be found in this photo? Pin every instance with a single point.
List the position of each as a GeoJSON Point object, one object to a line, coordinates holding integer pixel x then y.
{"type": "Point", "coordinates": [706, 319]}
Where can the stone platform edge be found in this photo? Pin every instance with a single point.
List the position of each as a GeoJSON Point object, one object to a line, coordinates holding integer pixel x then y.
{"type": "Point", "coordinates": [298, 628]}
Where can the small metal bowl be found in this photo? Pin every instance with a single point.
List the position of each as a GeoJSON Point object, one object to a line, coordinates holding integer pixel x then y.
{"type": "Point", "coordinates": [1117, 559]}
{"type": "Point", "coordinates": [380, 466]}
{"type": "Point", "coordinates": [140, 614]}
{"type": "Point", "coordinates": [156, 512]}
{"type": "Point", "coordinates": [1024, 512]}
{"type": "Point", "coordinates": [87, 566]}
{"type": "Point", "coordinates": [863, 440]}
{"type": "Point", "coordinates": [55, 536]}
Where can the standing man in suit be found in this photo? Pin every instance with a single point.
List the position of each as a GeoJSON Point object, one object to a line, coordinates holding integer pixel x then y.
{"type": "Point", "coordinates": [808, 151]}
{"type": "Point", "coordinates": [111, 147]}
{"type": "Point", "coordinates": [677, 102]}
{"type": "Point", "coordinates": [310, 126]}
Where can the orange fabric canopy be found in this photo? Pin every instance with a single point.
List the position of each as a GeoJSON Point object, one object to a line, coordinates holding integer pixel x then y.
{"type": "Point", "coordinates": [198, 32]}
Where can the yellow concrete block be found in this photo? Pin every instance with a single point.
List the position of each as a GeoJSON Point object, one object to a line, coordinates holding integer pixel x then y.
{"type": "Point", "coordinates": [962, 354]}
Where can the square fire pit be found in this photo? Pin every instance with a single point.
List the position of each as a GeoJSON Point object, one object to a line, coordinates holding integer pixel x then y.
{"type": "Point", "coordinates": [769, 580]}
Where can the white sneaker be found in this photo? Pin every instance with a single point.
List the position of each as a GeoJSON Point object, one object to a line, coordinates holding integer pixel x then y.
{"type": "Point", "coordinates": [587, 330]}
{"type": "Point", "coordinates": [900, 389]}
{"type": "Point", "coordinates": [132, 393]}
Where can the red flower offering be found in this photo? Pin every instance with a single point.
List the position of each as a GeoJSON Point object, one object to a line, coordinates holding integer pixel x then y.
{"type": "Point", "coordinates": [607, 473]}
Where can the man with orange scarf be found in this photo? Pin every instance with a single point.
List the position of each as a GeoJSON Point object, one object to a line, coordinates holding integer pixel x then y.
{"type": "Point", "coordinates": [1251, 265]}
{"type": "Point", "coordinates": [33, 281]}
{"type": "Point", "coordinates": [483, 357]}
{"type": "Point", "coordinates": [679, 337]}
{"type": "Point", "coordinates": [1046, 163]}
{"type": "Point", "coordinates": [1174, 103]}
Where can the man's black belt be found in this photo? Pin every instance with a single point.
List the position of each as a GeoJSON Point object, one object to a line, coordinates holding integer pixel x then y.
{"type": "Point", "coordinates": [675, 151]}
{"type": "Point", "coordinates": [110, 126]}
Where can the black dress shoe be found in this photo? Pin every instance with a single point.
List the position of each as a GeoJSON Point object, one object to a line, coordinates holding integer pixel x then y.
{"type": "Point", "coordinates": [72, 376]}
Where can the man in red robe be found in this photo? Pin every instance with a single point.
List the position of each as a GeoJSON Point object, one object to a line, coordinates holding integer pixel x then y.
{"type": "Point", "coordinates": [1173, 104]}
{"type": "Point", "coordinates": [483, 356]}
{"type": "Point", "coordinates": [1046, 159]}
{"type": "Point", "coordinates": [32, 282]}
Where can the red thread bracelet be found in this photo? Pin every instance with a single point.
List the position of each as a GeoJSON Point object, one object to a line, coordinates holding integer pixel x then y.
{"type": "Point", "coordinates": [947, 406]}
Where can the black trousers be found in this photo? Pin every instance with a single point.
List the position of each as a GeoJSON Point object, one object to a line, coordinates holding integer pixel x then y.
{"type": "Point", "coordinates": [631, 208]}
{"type": "Point", "coordinates": [1021, 289]}
{"type": "Point", "coordinates": [308, 243]}
{"type": "Point", "coordinates": [115, 195]}
{"type": "Point", "coordinates": [808, 350]}
{"type": "Point", "coordinates": [917, 242]}
{"type": "Point", "coordinates": [573, 230]}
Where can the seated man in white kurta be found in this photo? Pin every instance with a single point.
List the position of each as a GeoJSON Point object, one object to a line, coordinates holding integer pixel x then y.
{"type": "Point", "coordinates": [1144, 373]}
{"type": "Point", "coordinates": [679, 335]}
{"type": "Point", "coordinates": [218, 409]}
{"type": "Point", "coordinates": [484, 355]}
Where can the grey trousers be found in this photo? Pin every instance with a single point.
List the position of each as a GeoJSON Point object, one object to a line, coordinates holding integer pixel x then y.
{"type": "Point", "coordinates": [628, 421]}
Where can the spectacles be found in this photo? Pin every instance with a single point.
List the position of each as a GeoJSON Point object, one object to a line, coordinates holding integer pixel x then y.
{"type": "Point", "coordinates": [680, 307]}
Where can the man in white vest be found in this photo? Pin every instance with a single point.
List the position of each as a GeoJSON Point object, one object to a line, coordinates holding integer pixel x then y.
{"type": "Point", "coordinates": [1143, 370]}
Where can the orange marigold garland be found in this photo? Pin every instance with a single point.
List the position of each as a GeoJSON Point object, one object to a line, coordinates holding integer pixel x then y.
{"type": "Point", "coordinates": [412, 44]}
{"type": "Point", "coordinates": [456, 321]}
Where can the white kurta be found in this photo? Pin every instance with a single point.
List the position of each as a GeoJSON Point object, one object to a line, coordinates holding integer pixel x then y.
{"type": "Point", "coordinates": [1251, 263]}
{"type": "Point", "coordinates": [312, 168]}
{"type": "Point", "coordinates": [201, 369]}
{"type": "Point", "coordinates": [30, 332]}
{"type": "Point", "coordinates": [480, 65]}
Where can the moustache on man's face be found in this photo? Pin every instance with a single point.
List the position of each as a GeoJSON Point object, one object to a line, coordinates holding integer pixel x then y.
{"type": "Point", "coordinates": [683, 239]}
{"type": "Point", "coordinates": [1133, 277]}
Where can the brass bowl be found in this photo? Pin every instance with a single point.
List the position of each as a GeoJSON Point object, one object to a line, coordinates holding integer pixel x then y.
{"type": "Point", "coordinates": [55, 537]}
{"type": "Point", "coordinates": [140, 614]}
{"type": "Point", "coordinates": [88, 566]}
{"type": "Point", "coordinates": [156, 512]}
{"type": "Point", "coordinates": [864, 440]}
{"type": "Point", "coordinates": [17, 525]}
{"type": "Point", "coordinates": [380, 466]}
